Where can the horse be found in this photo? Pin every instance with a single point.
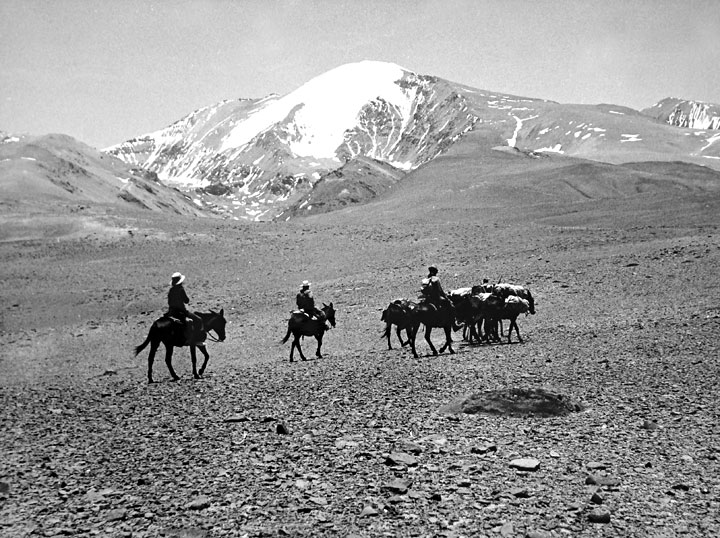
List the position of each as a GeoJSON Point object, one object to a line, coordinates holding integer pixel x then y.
{"type": "Point", "coordinates": [398, 313]}
{"type": "Point", "coordinates": [505, 290]}
{"type": "Point", "coordinates": [510, 308]}
{"type": "Point", "coordinates": [471, 312]}
{"type": "Point", "coordinates": [457, 297]}
{"type": "Point", "coordinates": [431, 316]}
{"type": "Point", "coordinates": [172, 334]}
{"type": "Point", "coordinates": [300, 324]}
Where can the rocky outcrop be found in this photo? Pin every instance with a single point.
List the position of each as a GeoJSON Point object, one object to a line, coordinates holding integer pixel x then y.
{"type": "Point", "coordinates": [689, 114]}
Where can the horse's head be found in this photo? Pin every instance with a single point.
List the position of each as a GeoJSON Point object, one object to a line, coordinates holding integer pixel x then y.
{"type": "Point", "coordinates": [216, 322]}
{"type": "Point", "coordinates": [329, 312]}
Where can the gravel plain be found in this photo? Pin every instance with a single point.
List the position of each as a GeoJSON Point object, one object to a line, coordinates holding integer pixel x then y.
{"type": "Point", "coordinates": [354, 444]}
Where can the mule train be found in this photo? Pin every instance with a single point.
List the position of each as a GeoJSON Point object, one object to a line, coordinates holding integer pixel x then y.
{"type": "Point", "coordinates": [482, 311]}
{"type": "Point", "coordinates": [478, 309]}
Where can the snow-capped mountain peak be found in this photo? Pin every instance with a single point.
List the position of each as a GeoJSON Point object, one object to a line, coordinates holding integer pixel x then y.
{"type": "Point", "coordinates": [263, 154]}
{"type": "Point", "coordinates": [325, 107]}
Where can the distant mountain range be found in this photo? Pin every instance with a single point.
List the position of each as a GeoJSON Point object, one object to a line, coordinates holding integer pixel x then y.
{"type": "Point", "coordinates": [357, 131]}
{"type": "Point", "coordinates": [265, 157]}
{"type": "Point", "coordinates": [57, 169]}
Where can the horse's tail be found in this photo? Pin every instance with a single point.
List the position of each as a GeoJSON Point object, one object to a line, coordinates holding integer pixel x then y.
{"type": "Point", "coordinates": [142, 346]}
{"type": "Point", "coordinates": [287, 336]}
{"type": "Point", "coordinates": [386, 332]}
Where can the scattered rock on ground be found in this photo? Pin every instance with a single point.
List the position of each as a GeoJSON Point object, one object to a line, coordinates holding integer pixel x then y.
{"type": "Point", "coordinates": [199, 503]}
{"type": "Point", "coordinates": [401, 458]}
{"type": "Point", "coordinates": [525, 464]}
{"type": "Point", "coordinates": [599, 515]}
{"type": "Point", "coordinates": [514, 402]}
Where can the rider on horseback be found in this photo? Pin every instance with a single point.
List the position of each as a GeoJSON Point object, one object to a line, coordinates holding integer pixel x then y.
{"type": "Point", "coordinates": [306, 302]}
{"type": "Point", "coordinates": [432, 290]}
{"type": "Point", "coordinates": [177, 299]}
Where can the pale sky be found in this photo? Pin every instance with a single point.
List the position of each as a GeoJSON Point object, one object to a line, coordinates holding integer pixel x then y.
{"type": "Point", "coordinates": [104, 71]}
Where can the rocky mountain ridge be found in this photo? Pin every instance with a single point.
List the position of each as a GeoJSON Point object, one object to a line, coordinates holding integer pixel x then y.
{"type": "Point", "coordinates": [57, 169]}
{"type": "Point", "coordinates": [355, 132]}
{"type": "Point", "coordinates": [684, 113]}
{"type": "Point", "coordinates": [261, 159]}
{"type": "Point", "coordinates": [265, 154]}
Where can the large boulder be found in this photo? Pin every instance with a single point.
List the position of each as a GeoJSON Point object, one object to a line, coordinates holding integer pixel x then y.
{"type": "Point", "coordinates": [514, 402]}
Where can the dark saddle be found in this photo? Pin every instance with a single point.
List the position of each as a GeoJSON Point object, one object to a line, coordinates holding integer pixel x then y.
{"type": "Point", "coordinates": [318, 316]}
{"type": "Point", "coordinates": [309, 316]}
{"type": "Point", "coordinates": [191, 334]}
{"type": "Point", "coordinates": [438, 306]}
{"type": "Point", "coordinates": [405, 306]}
{"type": "Point", "coordinates": [175, 318]}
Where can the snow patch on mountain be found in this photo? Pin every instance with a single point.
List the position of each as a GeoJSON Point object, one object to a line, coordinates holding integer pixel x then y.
{"type": "Point", "coordinates": [695, 116]}
{"type": "Point", "coordinates": [324, 108]}
{"type": "Point", "coordinates": [686, 113]}
{"type": "Point", "coordinates": [709, 142]}
{"type": "Point", "coordinates": [557, 148]}
{"type": "Point", "coordinates": [512, 142]}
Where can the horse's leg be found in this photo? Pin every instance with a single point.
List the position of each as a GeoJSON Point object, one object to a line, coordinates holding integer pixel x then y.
{"type": "Point", "coordinates": [494, 330]}
{"type": "Point", "coordinates": [491, 330]}
{"type": "Point", "coordinates": [428, 330]}
{"type": "Point", "coordinates": [193, 359]}
{"type": "Point", "coordinates": [168, 361]}
{"type": "Point", "coordinates": [151, 358]}
{"type": "Point", "coordinates": [448, 339]}
{"type": "Point", "coordinates": [482, 333]}
{"type": "Point", "coordinates": [203, 350]}
{"type": "Point", "coordinates": [319, 338]}
{"type": "Point", "coordinates": [408, 331]}
{"type": "Point", "coordinates": [398, 332]}
{"type": "Point", "coordinates": [297, 345]}
{"type": "Point", "coordinates": [411, 338]}
{"type": "Point", "coordinates": [513, 323]}
{"type": "Point", "coordinates": [471, 332]}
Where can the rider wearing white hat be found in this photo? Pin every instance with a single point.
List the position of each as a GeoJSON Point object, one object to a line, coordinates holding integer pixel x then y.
{"type": "Point", "coordinates": [177, 299]}
{"type": "Point", "coordinates": [306, 302]}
